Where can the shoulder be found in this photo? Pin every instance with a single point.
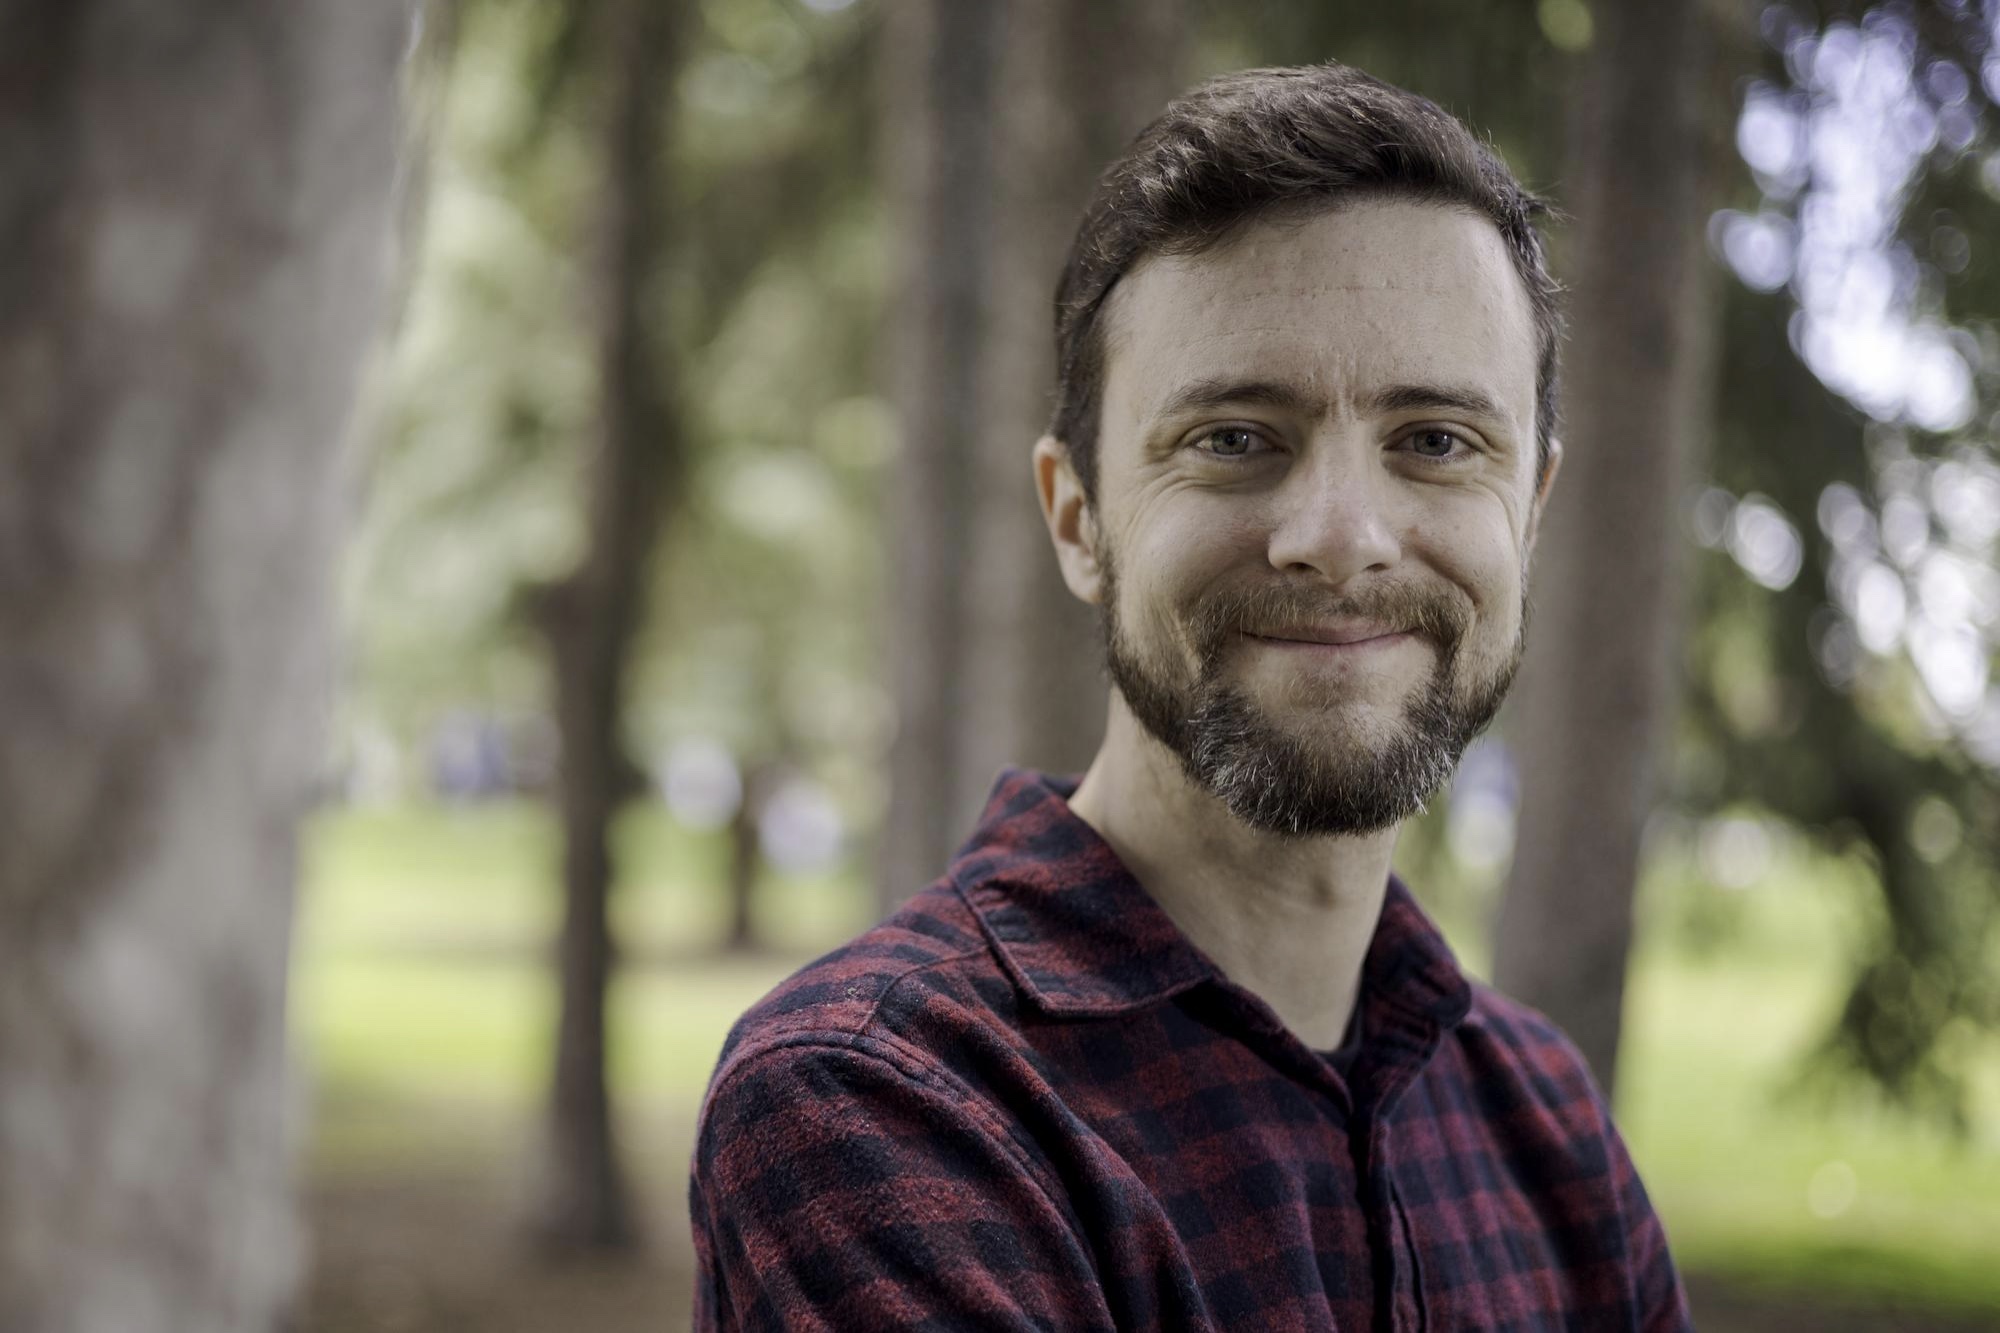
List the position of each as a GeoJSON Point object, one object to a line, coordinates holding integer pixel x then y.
{"type": "Point", "coordinates": [1559, 1124]}
{"type": "Point", "coordinates": [867, 1046]}
{"type": "Point", "coordinates": [1522, 1048]}
{"type": "Point", "coordinates": [903, 990]}
{"type": "Point", "coordinates": [850, 1170]}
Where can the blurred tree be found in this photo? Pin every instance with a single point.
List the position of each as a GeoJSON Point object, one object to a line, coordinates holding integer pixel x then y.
{"type": "Point", "coordinates": [760, 636]}
{"type": "Point", "coordinates": [999, 118]}
{"type": "Point", "coordinates": [474, 464]}
{"type": "Point", "coordinates": [1843, 683]}
{"type": "Point", "coordinates": [939, 103]}
{"type": "Point", "coordinates": [1598, 687]}
{"type": "Point", "coordinates": [196, 211]}
{"type": "Point", "coordinates": [745, 328]}
{"type": "Point", "coordinates": [591, 616]}
{"type": "Point", "coordinates": [1033, 690]}
{"type": "Point", "coordinates": [746, 858]}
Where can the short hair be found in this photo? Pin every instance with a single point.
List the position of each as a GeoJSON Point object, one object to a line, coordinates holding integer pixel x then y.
{"type": "Point", "coordinates": [1263, 141]}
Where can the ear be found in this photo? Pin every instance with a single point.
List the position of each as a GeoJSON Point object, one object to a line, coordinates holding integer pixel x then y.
{"type": "Point", "coordinates": [1072, 522]}
{"type": "Point", "coordinates": [1542, 488]}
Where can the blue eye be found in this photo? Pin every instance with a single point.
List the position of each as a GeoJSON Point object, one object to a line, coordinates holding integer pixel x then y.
{"type": "Point", "coordinates": [1229, 441]}
{"type": "Point", "coordinates": [1436, 443]}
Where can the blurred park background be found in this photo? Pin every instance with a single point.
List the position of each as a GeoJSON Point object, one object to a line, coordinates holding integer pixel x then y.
{"type": "Point", "coordinates": [678, 586]}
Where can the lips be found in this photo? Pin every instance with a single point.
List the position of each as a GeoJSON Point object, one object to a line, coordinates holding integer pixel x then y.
{"type": "Point", "coordinates": [1332, 635]}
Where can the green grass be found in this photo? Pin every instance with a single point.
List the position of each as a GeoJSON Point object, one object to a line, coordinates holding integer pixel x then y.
{"type": "Point", "coordinates": [423, 934]}
{"type": "Point", "coordinates": [1727, 992]}
{"type": "Point", "coordinates": [1730, 1157]}
{"type": "Point", "coordinates": [421, 980]}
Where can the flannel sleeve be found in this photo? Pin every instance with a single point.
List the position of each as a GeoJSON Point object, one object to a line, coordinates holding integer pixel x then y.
{"type": "Point", "coordinates": [1662, 1300]}
{"type": "Point", "coordinates": [1648, 1292]}
{"type": "Point", "coordinates": [1659, 1299]}
{"type": "Point", "coordinates": [848, 1186]}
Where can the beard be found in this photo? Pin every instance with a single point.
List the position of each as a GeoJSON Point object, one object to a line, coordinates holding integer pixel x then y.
{"type": "Point", "coordinates": [1286, 781]}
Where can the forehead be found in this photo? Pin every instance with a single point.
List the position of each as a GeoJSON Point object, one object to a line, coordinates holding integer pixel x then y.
{"type": "Point", "coordinates": [1374, 293]}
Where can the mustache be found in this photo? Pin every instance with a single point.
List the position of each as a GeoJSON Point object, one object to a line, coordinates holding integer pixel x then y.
{"type": "Point", "coordinates": [1436, 614]}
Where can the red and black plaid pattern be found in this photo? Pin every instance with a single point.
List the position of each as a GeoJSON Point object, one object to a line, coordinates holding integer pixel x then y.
{"type": "Point", "coordinates": [1027, 1101]}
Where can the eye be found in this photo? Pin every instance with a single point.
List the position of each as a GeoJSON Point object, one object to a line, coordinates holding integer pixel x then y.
{"type": "Point", "coordinates": [1229, 442]}
{"type": "Point", "coordinates": [1436, 442]}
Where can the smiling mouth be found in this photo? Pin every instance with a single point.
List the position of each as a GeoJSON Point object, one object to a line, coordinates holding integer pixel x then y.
{"type": "Point", "coordinates": [1336, 638]}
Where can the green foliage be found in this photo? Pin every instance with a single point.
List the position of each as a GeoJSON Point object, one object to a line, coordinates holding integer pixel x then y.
{"type": "Point", "coordinates": [471, 485]}
{"type": "Point", "coordinates": [1821, 697]}
{"type": "Point", "coordinates": [770, 291]}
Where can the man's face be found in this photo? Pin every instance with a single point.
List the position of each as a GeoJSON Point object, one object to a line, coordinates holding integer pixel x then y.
{"type": "Point", "coordinates": [1316, 498]}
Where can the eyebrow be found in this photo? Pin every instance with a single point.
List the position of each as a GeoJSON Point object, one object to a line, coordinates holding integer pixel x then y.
{"type": "Point", "coordinates": [1203, 394]}
{"type": "Point", "coordinates": [1199, 395]}
{"type": "Point", "coordinates": [1451, 397]}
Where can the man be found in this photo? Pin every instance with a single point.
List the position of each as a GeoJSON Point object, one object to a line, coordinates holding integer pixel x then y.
{"type": "Point", "coordinates": [1168, 1047]}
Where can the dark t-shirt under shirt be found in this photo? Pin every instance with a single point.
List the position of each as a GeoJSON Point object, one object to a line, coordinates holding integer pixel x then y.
{"type": "Point", "coordinates": [1342, 1057]}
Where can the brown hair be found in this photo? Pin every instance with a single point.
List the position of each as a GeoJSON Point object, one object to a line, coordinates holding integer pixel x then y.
{"type": "Point", "coordinates": [1244, 145]}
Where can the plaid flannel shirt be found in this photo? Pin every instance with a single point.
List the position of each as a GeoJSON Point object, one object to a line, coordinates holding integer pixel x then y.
{"type": "Point", "coordinates": [1027, 1101]}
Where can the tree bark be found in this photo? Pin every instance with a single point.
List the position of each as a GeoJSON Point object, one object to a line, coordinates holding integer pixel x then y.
{"type": "Point", "coordinates": [1000, 118]}
{"type": "Point", "coordinates": [939, 100]}
{"type": "Point", "coordinates": [196, 215]}
{"type": "Point", "coordinates": [1035, 690]}
{"type": "Point", "coordinates": [746, 852]}
{"type": "Point", "coordinates": [592, 618]}
{"type": "Point", "coordinates": [1598, 689]}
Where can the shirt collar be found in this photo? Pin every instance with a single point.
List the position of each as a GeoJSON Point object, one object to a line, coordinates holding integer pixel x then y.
{"type": "Point", "coordinates": [1082, 936]}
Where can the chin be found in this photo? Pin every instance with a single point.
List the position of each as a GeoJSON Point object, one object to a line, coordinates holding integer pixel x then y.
{"type": "Point", "coordinates": [1306, 706]}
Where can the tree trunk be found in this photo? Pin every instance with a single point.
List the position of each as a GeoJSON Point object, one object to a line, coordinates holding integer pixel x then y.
{"type": "Point", "coordinates": [592, 618]}
{"type": "Point", "coordinates": [1035, 690]}
{"type": "Point", "coordinates": [939, 56]}
{"type": "Point", "coordinates": [746, 853]}
{"type": "Point", "coordinates": [1598, 690]}
{"type": "Point", "coordinates": [1000, 118]}
{"type": "Point", "coordinates": [196, 215]}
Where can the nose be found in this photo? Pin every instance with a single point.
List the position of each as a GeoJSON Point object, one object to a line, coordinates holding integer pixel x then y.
{"type": "Point", "coordinates": [1334, 514]}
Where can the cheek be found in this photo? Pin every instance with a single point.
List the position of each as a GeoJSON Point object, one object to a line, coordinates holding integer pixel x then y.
{"type": "Point", "coordinates": [1476, 547]}
{"type": "Point", "coordinates": [1180, 545]}
{"type": "Point", "coordinates": [1171, 557]}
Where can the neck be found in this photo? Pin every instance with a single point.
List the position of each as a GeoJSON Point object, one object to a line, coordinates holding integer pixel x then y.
{"type": "Point", "coordinates": [1288, 919]}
